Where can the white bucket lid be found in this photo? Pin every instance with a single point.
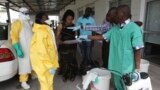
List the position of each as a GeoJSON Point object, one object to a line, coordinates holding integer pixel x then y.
{"type": "Point", "coordinates": [101, 72]}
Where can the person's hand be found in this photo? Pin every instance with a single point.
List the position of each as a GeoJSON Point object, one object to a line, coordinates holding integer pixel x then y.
{"type": "Point", "coordinates": [52, 71]}
{"type": "Point", "coordinates": [18, 50]}
{"type": "Point", "coordinates": [60, 42]}
{"type": "Point", "coordinates": [20, 53]}
{"type": "Point", "coordinates": [78, 28]}
{"type": "Point", "coordinates": [83, 37]}
{"type": "Point", "coordinates": [79, 41]}
{"type": "Point", "coordinates": [137, 70]}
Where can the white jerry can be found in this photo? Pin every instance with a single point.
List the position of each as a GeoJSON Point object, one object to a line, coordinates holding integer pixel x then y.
{"type": "Point", "coordinates": [144, 65]}
{"type": "Point", "coordinates": [142, 84]}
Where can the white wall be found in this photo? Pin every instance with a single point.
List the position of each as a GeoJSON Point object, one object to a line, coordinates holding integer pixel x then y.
{"type": "Point", "coordinates": [138, 9]}
{"type": "Point", "coordinates": [101, 8]}
{"type": "Point", "coordinates": [135, 9]}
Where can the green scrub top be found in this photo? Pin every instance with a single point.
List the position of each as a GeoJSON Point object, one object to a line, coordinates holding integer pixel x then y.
{"type": "Point", "coordinates": [122, 45]}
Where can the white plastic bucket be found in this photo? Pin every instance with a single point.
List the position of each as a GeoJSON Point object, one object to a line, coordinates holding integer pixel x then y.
{"type": "Point", "coordinates": [104, 77]}
{"type": "Point", "coordinates": [144, 66]}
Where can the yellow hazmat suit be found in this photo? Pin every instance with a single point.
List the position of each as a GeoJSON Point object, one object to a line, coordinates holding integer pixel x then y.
{"type": "Point", "coordinates": [43, 54]}
{"type": "Point", "coordinates": [21, 34]}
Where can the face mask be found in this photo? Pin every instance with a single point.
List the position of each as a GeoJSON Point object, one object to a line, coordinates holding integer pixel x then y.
{"type": "Point", "coordinates": [27, 17]}
{"type": "Point", "coordinates": [49, 22]}
{"type": "Point", "coordinates": [24, 16]}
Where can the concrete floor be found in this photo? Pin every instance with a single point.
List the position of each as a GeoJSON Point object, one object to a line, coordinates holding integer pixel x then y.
{"type": "Point", "coordinates": [60, 85]}
{"type": "Point", "coordinates": [154, 72]}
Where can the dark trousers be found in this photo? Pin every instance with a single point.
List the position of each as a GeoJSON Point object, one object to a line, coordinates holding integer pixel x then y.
{"type": "Point", "coordinates": [105, 53]}
{"type": "Point", "coordinates": [86, 51]}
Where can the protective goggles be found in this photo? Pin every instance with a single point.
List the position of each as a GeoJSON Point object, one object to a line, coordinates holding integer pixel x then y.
{"type": "Point", "coordinates": [25, 13]}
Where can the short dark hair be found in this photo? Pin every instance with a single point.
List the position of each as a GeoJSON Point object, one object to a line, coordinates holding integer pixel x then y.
{"type": "Point", "coordinates": [88, 12]}
{"type": "Point", "coordinates": [126, 10]}
{"type": "Point", "coordinates": [39, 16]}
{"type": "Point", "coordinates": [66, 14]}
{"type": "Point", "coordinates": [112, 9]}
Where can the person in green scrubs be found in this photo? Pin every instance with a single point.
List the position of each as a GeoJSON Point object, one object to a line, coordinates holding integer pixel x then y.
{"type": "Point", "coordinates": [126, 40]}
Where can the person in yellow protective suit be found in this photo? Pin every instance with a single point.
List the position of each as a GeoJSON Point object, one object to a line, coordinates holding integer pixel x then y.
{"type": "Point", "coordinates": [43, 52]}
{"type": "Point", "coordinates": [21, 34]}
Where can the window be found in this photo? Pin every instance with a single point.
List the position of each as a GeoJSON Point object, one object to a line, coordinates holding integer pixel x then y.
{"type": "Point", "coordinates": [3, 14]}
{"type": "Point", "coordinates": [55, 20]}
{"type": "Point", "coordinates": [3, 32]}
{"type": "Point", "coordinates": [152, 22]}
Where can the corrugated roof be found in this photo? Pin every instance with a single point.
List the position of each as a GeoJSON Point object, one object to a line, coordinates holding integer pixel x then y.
{"type": "Point", "coordinates": [49, 6]}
